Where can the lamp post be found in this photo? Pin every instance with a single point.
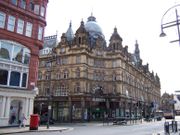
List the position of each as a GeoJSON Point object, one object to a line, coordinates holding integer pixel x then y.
{"type": "Point", "coordinates": [173, 23]}
{"type": "Point", "coordinates": [51, 57]}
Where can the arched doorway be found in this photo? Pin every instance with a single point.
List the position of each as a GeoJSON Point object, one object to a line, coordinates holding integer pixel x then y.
{"type": "Point", "coordinates": [15, 112]}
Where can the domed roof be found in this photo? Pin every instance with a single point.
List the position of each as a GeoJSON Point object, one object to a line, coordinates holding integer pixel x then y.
{"type": "Point", "coordinates": [92, 27]}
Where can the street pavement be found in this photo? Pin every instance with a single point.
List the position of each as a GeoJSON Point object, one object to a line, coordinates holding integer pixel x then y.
{"type": "Point", "coordinates": [98, 128]}
{"type": "Point", "coordinates": [14, 130]}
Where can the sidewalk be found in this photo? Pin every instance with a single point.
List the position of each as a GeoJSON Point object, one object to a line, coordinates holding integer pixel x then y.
{"type": "Point", "coordinates": [11, 130]}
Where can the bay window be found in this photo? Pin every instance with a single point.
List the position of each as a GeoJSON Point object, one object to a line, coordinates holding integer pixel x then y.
{"type": "Point", "coordinates": [14, 60]}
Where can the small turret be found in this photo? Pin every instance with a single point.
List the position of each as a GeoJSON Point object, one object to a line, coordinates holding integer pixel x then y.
{"type": "Point", "coordinates": [115, 41]}
{"type": "Point", "coordinates": [69, 34]}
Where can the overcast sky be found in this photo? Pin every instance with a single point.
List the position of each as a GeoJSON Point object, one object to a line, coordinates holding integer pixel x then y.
{"type": "Point", "coordinates": [135, 20]}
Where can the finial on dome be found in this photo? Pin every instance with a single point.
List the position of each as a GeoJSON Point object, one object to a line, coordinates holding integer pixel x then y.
{"type": "Point", "coordinates": [115, 29]}
{"type": "Point", "coordinates": [91, 18]}
{"type": "Point", "coordinates": [91, 13]}
{"type": "Point", "coordinates": [70, 24]}
{"type": "Point", "coordinates": [136, 42]}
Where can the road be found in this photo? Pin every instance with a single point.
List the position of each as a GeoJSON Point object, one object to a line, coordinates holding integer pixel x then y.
{"type": "Point", "coordinates": [100, 129]}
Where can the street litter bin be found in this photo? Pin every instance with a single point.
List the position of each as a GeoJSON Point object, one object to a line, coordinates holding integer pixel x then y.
{"type": "Point", "coordinates": [166, 127]}
{"type": "Point", "coordinates": [34, 122]}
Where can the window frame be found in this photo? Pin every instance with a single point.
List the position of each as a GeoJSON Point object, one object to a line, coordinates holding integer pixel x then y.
{"type": "Point", "coordinates": [29, 29]}
{"type": "Point", "coordinates": [40, 33]}
{"type": "Point", "coordinates": [3, 19]}
{"type": "Point", "coordinates": [20, 26]}
{"type": "Point", "coordinates": [22, 4]}
{"type": "Point", "coordinates": [11, 23]}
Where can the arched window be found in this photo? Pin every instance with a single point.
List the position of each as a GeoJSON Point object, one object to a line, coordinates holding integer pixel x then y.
{"type": "Point", "coordinates": [66, 74]}
{"type": "Point", "coordinates": [4, 53]}
{"type": "Point", "coordinates": [14, 67]}
{"type": "Point", "coordinates": [5, 50]}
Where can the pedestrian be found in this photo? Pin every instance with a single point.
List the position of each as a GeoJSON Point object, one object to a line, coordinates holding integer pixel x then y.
{"type": "Point", "coordinates": [23, 121]}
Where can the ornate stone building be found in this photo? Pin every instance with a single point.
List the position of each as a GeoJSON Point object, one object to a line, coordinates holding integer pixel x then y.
{"type": "Point", "coordinates": [166, 102]}
{"type": "Point", "coordinates": [22, 25]}
{"type": "Point", "coordinates": [87, 79]}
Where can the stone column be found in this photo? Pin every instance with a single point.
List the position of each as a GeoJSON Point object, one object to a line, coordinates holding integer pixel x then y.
{"type": "Point", "coordinates": [8, 102]}
{"type": "Point", "coordinates": [26, 105]}
{"type": "Point", "coordinates": [3, 106]}
{"type": "Point", "coordinates": [30, 106]}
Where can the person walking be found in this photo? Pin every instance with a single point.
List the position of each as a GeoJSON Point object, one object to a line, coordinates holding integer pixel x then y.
{"type": "Point", "coordinates": [23, 121]}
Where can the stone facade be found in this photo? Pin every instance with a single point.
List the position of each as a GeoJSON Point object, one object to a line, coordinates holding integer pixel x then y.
{"type": "Point", "coordinates": [22, 28]}
{"type": "Point", "coordinates": [83, 79]}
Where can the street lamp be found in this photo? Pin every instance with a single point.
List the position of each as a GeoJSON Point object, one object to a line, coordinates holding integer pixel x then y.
{"type": "Point", "coordinates": [173, 23]}
{"type": "Point", "coordinates": [51, 57]}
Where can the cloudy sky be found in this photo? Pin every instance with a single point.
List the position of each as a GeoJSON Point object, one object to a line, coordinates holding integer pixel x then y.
{"type": "Point", "coordinates": [135, 20]}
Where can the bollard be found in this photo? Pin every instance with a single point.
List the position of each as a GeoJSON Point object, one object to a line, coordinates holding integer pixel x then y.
{"type": "Point", "coordinates": [166, 127]}
{"type": "Point", "coordinates": [172, 126]}
{"type": "Point", "coordinates": [175, 126]}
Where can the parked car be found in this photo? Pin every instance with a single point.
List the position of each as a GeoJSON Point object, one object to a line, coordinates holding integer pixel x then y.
{"type": "Point", "coordinates": [44, 119]}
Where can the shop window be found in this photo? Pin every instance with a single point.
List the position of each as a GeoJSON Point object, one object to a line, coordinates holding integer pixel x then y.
{"type": "Point", "coordinates": [11, 23]}
{"type": "Point", "coordinates": [15, 78]}
{"type": "Point", "coordinates": [3, 77]}
{"type": "Point", "coordinates": [2, 19]}
{"type": "Point", "coordinates": [28, 29]}
{"type": "Point", "coordinates": [20, 26]}
{"type": "Point", "coordinates": [22, 4]}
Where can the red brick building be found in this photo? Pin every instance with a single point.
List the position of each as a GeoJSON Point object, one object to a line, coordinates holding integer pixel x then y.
{"type": "Point", "coordinates": [22, 24]}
